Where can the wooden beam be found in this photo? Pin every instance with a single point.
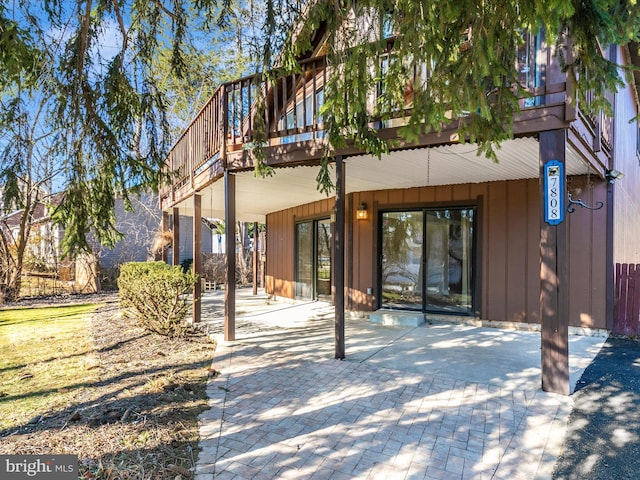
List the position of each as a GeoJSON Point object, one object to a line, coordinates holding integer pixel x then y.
{"type": "Point", "coordinates": [230, 250]}
{"type": "Point", "coordinates": [338, 259]}
{"type": "Point", "coordinates": [175, 245]}
{"type": "Point", "coordinates": [255, 258]}
{"type": "Point", "coordinates": [554, 281]}
{"type": "Point", "coordinates": [196, 306]}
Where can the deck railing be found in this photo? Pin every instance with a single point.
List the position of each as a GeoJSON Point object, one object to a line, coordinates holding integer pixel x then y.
{"type": "Point", "coordinates": [288, 110]}
{"type": "Point", "coordinates": [287, 106]}
{"type": "Point", "coordinates": [600, 125]}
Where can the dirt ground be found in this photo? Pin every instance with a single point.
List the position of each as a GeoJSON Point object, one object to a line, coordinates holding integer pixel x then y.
{"type": "Point", "coordinates": [139, 420]}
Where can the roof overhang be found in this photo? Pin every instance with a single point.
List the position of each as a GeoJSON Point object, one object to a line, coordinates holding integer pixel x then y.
{"type": "Point", "coordinates": [443, 165]}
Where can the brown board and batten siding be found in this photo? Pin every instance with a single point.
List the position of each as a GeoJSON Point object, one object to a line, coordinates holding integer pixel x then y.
{"type": "Point", "coordinates": [626, 248]}
{"type": "Point", "coordinates": [587, 253]}
{"type": "Point", "coordinates": [280, 259]}
{"type": "Point", "coordinates": [280, 267]}
{"type": "Point", "coordinates": [507, 249]}
{"type": "Point", "coordinates": [626, 211]}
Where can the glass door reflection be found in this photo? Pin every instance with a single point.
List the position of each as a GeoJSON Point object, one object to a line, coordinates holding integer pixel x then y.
{"type": "Point", "coordinates": [427, 260]}
{"type": "Point", "coordinates": [313, 259]}
{"type": "Point", "coordinates": [402, 242]}
{"type": "Point", "coordinates": [449, 249]}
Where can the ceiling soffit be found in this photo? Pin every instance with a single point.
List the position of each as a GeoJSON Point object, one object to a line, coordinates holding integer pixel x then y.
{"type": "Point", "coordinates": [444, 165]}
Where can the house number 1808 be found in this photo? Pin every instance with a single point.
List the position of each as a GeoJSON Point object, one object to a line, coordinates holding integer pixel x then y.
{"type": "Point", "coordinates": [554, 192]}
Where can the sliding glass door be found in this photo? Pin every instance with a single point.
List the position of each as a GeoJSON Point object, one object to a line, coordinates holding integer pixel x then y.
{"type": "Point", "coordinates": [402, 259]}
{"type": "Point", "coordinates": [427, 260]}
{"type": "Point", "coordinates": [323, 259]}
{"type": "Point", "coordinates": [449, 255]}
{"type": "Point", "coordinates": [313, 259]}
{"type": "Point", "coordinates": [304, 260]}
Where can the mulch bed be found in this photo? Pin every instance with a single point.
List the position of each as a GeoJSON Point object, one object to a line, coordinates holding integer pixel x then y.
{"type": "Point", "coordinates": [139, 420]}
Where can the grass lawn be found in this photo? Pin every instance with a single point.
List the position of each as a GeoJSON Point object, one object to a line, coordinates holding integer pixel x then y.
{"type": "Point", "coordinates": [46, 360]}
{"type": "Point", "coordinates": [87, 380]}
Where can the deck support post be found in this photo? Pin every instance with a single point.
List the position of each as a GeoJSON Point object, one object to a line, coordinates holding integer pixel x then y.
{"type": "Point", "coordinates": [165, 228]}
{"type": "Point", "coordinates": [230, 250]}
{"type": "Point", "coordinates": [338, 259]}
{"type": "Point", "coordinates": [554, 279]}
{"type": "Point", "coordinates": [196, 305]}
{"type": "Point", "coordinates": [175, 245]}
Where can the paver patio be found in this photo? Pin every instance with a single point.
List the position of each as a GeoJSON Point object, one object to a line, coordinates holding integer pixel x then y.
{"type": "Point", "coordinates": [283, 408]}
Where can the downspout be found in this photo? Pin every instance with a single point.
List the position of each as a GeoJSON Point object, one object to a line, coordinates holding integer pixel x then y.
{"type": "Point", "coordinates": [610, 266]}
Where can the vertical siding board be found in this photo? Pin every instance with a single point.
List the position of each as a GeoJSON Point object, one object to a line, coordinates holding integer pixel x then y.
{"type": "Point", "coordinates": [428, 195]}
{"type": "Point", "coordinates": [598, 260]}
{"type": "Point", "coordinates": [287, 244]}
{"type": "Point", "coordinates": [274, 243]}
{"type": "Point", "coordinates": [497, 245]}
{"type": "Point", "coordinates": [461, 192]}
{"type": "Point", "coordinates": [280, 241]}
{"type": "Point", "coordinates": [268, 273]}
{"type": "Point", "coordinates": [444, 193]}
{"type": "Point", "coordinates": [395, 197]}
{"type": "Point", "coordinates": [412, 195]}
{"type": "Point", "coordinates": [516, 265]}
{"type": "Point", "coordinates": [533, 252]}
{"type": "Point", "coordinates": [382, 197]}
{"type": "Point", "coordinates": [290, 259]}
{"type": "Point", "coordinates": [277, 264]}
{"type": "Point", "coordinates": [580, 261]}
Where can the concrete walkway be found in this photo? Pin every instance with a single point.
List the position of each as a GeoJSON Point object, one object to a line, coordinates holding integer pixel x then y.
{"type": "Point", "coordinates": [435, 401]}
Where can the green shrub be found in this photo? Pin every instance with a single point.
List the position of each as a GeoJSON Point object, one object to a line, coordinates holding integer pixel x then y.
{"type": "Point", "coordinates": [155, 294]}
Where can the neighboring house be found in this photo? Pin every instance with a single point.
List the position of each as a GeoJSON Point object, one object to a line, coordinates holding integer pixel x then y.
{"type": "Point", "coordinates": [140, 228]}
{"type": "Point", "coordinates": [43, 248]}
{"type": "Point", "coordinates": [430, 228]}
{"type": "Point", "coordinates": [100, 269]}
{"type": "Point", "coordinates": [208, 234]}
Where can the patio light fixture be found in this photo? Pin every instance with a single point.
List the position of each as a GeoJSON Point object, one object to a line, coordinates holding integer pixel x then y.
{"type": "Point", "coordinates": [613, 175]}
{"type": "Point", "coordinates": [361, 212]}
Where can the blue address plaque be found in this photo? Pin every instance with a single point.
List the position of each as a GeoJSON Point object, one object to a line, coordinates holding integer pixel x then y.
{"type": "Point", "coordinates": [554, 192]}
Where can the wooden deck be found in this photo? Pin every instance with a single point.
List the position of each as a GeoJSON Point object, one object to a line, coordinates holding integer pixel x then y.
{"type": "Point", "coordinates": [283, 114]}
